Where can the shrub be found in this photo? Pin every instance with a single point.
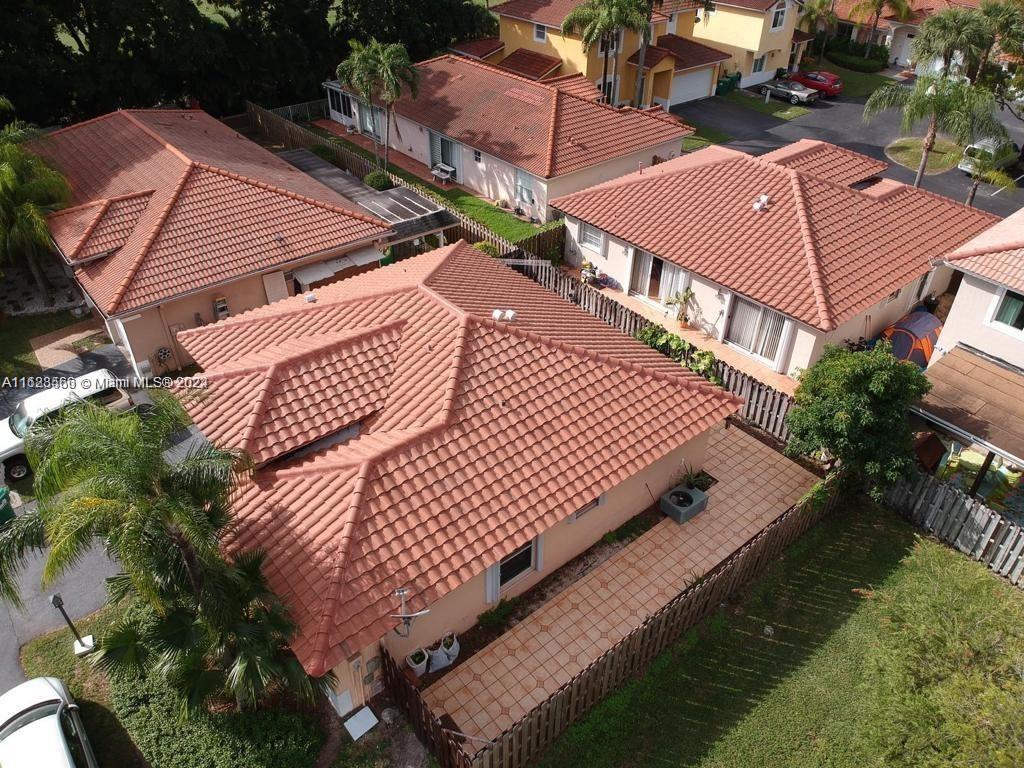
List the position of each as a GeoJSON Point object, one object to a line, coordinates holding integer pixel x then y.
{"type": "Point", "coordinates": [150, 711]}
{"type": "Point", "coordinates": [854, 62]}
{"type": "Point", "coordinates": [498, 616]}
{"type": "Point", "coordinates": [378, 180]}
{"type": "Point", "coordinates": [489, 248]}
{"type": "Point", "coordinates": [856, 48]}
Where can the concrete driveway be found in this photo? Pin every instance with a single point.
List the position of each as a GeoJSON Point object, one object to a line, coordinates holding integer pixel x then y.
{"type": "Point", "coordinates": [841, 122]}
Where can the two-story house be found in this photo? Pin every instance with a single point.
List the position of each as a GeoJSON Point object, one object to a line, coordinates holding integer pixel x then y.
{"type": "Point", "coordinates": [512, 139]}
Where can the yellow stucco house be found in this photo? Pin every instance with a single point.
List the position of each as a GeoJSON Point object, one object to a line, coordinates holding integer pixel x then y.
{"type": "Point", "coordinates": [690, 48]}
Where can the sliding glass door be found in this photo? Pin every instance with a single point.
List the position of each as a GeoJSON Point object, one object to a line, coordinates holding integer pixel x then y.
{"type": "Point", "coordinates": [755, 329]}
{"type": "Point", "coordinates": [655, 278]}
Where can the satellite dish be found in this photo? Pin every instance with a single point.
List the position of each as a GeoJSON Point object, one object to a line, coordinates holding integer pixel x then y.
{"type": "Point", "coordinates": [407, 618]}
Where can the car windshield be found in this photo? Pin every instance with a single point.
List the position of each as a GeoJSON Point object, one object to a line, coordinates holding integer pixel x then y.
{"type": "Point", "coordinates": [978, 152]}
{"type": "Point", "coordinates": [19, 721]}
{"type": "Point", "coordinates": [20, 423]}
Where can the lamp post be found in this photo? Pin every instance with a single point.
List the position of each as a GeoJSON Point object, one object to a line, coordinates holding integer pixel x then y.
{"type": "Point", "coordinates": [83, 645]}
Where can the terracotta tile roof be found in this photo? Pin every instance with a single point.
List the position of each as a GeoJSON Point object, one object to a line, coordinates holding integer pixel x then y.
{"type": "Point", "coordinates": [996, 254]}
{"type": "Point", "coordinates": [463, 460]}
{"type": "Point", "coordinates": [530, 64]}
{"type": "Point", "coordinates": [690, 54]}
{"type": "Point", "coordinates": [821, 252]}
{"type": "Point", "coordinates": [576, 84]}
{"type": "Point", "coordinates": [800, 36]}
{"type": "Point", "coordinates": [653, 56]}
{"type": "Point", "coordinates": [552, 13]}
{"type": "Point", "coordinates": [819, 158]}
{"type": "Point", "coordinates": [537, 126]}
{"type": "Point", "coordinates": [480, 48]}
{"type": "Point", "coordinates": [753, 5]}
{"type": "Point", "coordinates": [919, 11]}
{"type": "Point", "coordinates": [169, 201]}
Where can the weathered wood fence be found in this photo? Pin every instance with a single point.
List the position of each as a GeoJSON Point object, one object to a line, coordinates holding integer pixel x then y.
{"type": "Point", "coordinates": [522, 743]}
{"type": "Point", "coordinates": [278, 126]}
{"type": "Point", "coordinates": [763, 406]}
{"type": "Point", "coordinates": [964, 523]}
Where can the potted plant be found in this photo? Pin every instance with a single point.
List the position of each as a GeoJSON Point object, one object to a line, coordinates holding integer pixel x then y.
{"type": "Point", "coordinates": [681, 301]}
{"type": "Point", "coordinates": [438, 658]}
{"type": "Point", "coordinates": [450, 645]}
{"type": "Point", "coordinates": [417, 661]}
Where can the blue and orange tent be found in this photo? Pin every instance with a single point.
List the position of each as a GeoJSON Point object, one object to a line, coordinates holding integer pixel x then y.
{"type": "Point", "coordinates": [913, 337]}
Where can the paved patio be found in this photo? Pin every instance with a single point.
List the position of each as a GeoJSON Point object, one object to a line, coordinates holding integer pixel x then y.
{"type": "Point", "coordinates": [492, 690]}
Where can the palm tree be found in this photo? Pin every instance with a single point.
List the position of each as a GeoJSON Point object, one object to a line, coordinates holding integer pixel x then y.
{"type": "Point", "coordinates": [645, 40]}
{"type": "Point", "coordinates": [957, 108]}
{"type": "Point", "coordinates": [29, 190]}
{"type": "Point", "coordinates": [1006, 26]}
{"type": "Point", "coordinates": [952, 31]}
{"type": "Point", "coordinates": [598, 23]}
{"type": "Point", "coordinates": [873, 10]}
{"type": "Point", "coordinates": [395, 73]}
{"type": "Point", "coordinates": [359, 73]}
{"type": "Point", "coordinates": [984, 170]}
{"type": "Point", "coordinates": [819, 15]}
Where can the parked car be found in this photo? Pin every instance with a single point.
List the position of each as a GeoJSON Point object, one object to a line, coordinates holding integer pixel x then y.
{"type": "Point", "coordinates": [40, 726]}
{"type": "Point", "coordinates": [791, 91]}
{"type": "Point", "coordinates": [1005, 152]}
{"type": "Point", "coordinates": [827, 83]}
{"type": "Point", "coordinates": [98, 387]}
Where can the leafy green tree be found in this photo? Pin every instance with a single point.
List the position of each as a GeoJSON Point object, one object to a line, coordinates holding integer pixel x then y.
{"type": "Point", "coordinates": [820, 15]}
{"type": "Point", "coordinates": [963, 111]}
{"type": "Point", "coordinates": [29, 190]}
{"type": "Point", "coordinates": [599, 22]}
{"type": "Point", "coordinates": [34, 63]}
{"type": "Point", "coordinates": [985, 170]}
{"type": "Point", "coordinates": [1005, 22]}
{"type": "Point", "coordinates": [359, 73]}
{"type": "Point", "coordinates": [854, 406]}
{"type": "Point", "coordinates": [952, 31]}
{"type": "Point", "coordinates": [873, 10]}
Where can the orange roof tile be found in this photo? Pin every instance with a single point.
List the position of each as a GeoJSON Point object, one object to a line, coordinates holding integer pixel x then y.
{"type": "Point", "coordinates": [480, 48]}
{"type": "Point", "coordinates": [530, 64]}
{"type": "Point", "coordinates": [919, 11]}
{"type": "Point", "coordinates": [552, 13]}
{"type": "Point", "coordinates": [819, 158]}
{"type": "Point", "coordinates": [686, 53]}
{"type": "Point", "coordinates": [820, 252]}
{"type": "Point", "coordinates": [997, 254]}
{"type": "Point", "coordinates": [462, 460]}
{"type": "Point", "coordinates": [576, 84]}
{"type": "Point", "coordinates": [170, 201]}
{"type": "Point", "coordinates": [541, 127]}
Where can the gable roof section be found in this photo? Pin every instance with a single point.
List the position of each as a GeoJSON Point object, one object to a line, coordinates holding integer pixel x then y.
{"type": "Point", "coordinates": [545, 128]}
{"type": "Point", "coordinates": [821, 252]}
{"type": "Point", "coordinates": [463, 460]}
{"type": "Point", "coordinates": [819, 158]}
{"type": "Point", "coordinates": [530, 64]}
{"type": "Point", "coordinates": [478, 48]}
{"type": "Point", "coordinates": [170, 201]}
{"type": "Point", "coordinates": [575, 84]}
{"type": "Point", "coordinates": [996, 254]}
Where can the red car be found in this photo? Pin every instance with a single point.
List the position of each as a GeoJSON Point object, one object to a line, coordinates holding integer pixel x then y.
{"type": "Point", "coordinates": [829, 84]}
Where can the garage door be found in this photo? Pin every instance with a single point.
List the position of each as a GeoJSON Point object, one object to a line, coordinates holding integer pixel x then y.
{"type": "Point", "coordinates": [687, 86]}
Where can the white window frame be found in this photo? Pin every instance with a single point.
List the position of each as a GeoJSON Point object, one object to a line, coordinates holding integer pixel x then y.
{"type": "Point", "coordinates": [493, 586]}
{"type": "Point", "coordinates": [785, 333]}
{"type": "Point", "coordinates": [524, 188]}
{"type": "Point", "coordinates": [754, 69]}
{"type": "Point", "coordinates": [781, 22]}
{"type": "Point", "coordinates": [604, 51]}
{"type": "Point", "coordinates": [599, 248]}
{"type": "Point", "coordinates": [478, 156]}
{"type": "Point", "coordinates": [540, 33]}
{"type": "Point", "coordinates": [993, 310]}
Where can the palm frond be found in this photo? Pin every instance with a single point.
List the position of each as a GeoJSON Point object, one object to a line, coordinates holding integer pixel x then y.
{"type": "Point", "coordinates": [18, 538]}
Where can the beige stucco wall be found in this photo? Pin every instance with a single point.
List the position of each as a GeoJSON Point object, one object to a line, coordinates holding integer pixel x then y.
{"type": "Point", "coordinates": [970, 322]}
{"type": "Point", "coordinates": [746, 34]}
{"type": "Point", "coordinates": [458, 610]}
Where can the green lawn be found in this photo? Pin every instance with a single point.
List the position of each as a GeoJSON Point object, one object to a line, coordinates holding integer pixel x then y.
{"type": "Point", "coordinates": [865, 646]}
{"type": "Point", "coordinates": [503, 223]}
{"type": "Point", "coordinates": [856, 85]}
{"type": "Point", "coordinates": [16, 356]}
{"type": "Point", "coordinates": [703, 136]}
{"type": "Point", "coordinates": [907, 152]}
{"type": "Point", "coordinates": [775, 107]}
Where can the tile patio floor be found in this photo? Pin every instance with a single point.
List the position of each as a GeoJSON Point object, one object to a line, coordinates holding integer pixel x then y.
{"type": "Point", "coordinates": [489, 692]}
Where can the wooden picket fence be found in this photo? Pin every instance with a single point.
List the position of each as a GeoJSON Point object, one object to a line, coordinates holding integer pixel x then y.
{"type": "Point", "coordinates": [522, 743]}
{"type": "Point", "coordinates": [964, 523]}
{"type": "Point", "coordinates": [278, 126]}
{"type": "Point", "coordinates": [763, 406]}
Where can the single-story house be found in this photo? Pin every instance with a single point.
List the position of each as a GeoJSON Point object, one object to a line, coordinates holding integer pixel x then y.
{"type": "Point", "coordinates": [783, 253]}
{"type": "Point", "coordinates": [512, 139]}
{"type": "Point", "coordinates": [177, 221]}
{"type": "Point", "coordinates": [442, 426]}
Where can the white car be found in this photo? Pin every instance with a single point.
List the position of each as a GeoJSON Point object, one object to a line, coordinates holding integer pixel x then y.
{"type": "Point", "coordinates": [40, 727]}
{"type": "Point", "coordinates": [99, 387]}
{"type": "Point", "coordinates": [1002, 154]}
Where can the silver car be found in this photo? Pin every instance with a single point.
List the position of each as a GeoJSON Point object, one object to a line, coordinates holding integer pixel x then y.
{"type": "Point", "coordinates": [791, 91]}
{"type": "Point", "coordinates": [40, 726]}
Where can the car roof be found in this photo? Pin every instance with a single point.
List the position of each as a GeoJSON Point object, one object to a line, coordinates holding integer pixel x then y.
{"type": "Point", "coordinates": [38, 744]}
{"type": "Point", "coordinates": [36, 691]}
{"type": "Point", "coordinates": [50, 400]}
{"type": "Point", "coordinates": [990, 143]}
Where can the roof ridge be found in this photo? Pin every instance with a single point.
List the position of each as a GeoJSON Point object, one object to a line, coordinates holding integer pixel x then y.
{"type": "Point", "coordinates": [100, 201]}
{"type": "Point", "coordinates": [157, 137]}
{"type": "Point", "coordinates": [490, 68]}
{"type": "Point", "coordinates": [87, 232]}
{"type": "Point", "coordinates": [814, 267]}
{"type": "Point", "coordinates": [294, 195]}
{"type": "Point", "coordinates": [451, 388]}
{"type": "Point", "coordinates": [549, 166]}
{"type": "Point", "coordinates": [73, 126]}
{"type": "Point", "coordinates": [133, 268]}
{"type": "Point", "coordinates": [260, 407]}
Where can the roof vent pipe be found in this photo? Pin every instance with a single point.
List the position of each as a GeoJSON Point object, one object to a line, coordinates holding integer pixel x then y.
{"type": "Point", "coordinates": [496, 314]}
{"type": "Point", "coordinates": [510, 315]}
{"type": "Point", "coordinates": [310, 298]}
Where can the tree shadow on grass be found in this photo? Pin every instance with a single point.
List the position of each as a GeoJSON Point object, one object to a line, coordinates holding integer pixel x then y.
{"type": "Point", "coordinates": [700, 689]}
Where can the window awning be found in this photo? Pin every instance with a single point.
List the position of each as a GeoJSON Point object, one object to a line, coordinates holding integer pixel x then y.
{"type": "Point", "coordinates": [312, 273]}
{"type": "Point", "coordinates": [979, 398]}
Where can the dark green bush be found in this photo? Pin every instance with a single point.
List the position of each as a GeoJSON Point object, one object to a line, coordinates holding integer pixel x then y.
{"type": "Point", "coordinates": [378, 180]}
{"type": "Point", "coordinates": [498, 616]}
{"type": "Point", "coordinates": [489, 248]}
{"type": "Point", "coordinates": [150, 711]}
{"type": "Point", "coordinates": [855, 48]}
{"type": "Point", "coordinates": [854, 62]}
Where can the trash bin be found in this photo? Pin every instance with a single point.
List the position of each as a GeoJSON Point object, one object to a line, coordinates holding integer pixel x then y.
{"type": "Point", "coordinates": [6, 510]}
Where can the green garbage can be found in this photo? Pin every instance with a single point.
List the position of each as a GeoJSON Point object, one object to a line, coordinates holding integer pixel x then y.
{"type": "Point", "coordinates": [6, 510]}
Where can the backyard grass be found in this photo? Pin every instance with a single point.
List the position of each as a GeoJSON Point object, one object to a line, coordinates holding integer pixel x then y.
{"type": "Point", "coordinates": [865, 646]}
{"type": "Point", "coordinates": [775, 107]}
{"type": "Point", "coordinates": [907, 152]}
{"type": "Point", "coordinates": [16, 356]}
{"type": "Point", "coordinates": [704, 136]}
{"type": "Point", "coordinates": [856, 85]}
